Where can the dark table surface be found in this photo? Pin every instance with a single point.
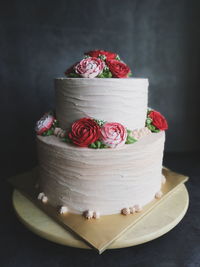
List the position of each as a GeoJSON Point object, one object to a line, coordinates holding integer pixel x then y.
{"type": "Point", "coordinates": [179, 247]}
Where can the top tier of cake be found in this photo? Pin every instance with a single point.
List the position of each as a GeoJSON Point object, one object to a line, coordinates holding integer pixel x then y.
{"type": "Point", "coordinates": [113, 100]}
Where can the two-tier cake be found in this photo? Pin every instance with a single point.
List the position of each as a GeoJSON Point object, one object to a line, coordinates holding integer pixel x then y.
{"type": "Point", "coordinates": [101, 152]}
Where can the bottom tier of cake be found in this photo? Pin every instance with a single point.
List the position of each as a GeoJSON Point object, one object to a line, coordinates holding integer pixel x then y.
{"type": "Point", "coordinates": [102, 181]}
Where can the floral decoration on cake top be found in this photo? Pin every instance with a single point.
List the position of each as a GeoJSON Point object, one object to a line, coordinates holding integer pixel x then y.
{"type": "Point", "coordinates": [99, 64]}
{"type": "Point", "coordinates": [93, 133]}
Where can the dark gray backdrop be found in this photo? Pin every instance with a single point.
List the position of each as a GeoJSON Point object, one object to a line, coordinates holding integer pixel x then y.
{"type": "Point", "coordinates": [40, 39]}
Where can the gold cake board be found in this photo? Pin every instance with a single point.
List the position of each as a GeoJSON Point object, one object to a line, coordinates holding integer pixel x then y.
{"type": "Point", "coordinates": [157, 218]}
{"type": "Point", "coordinates": [159, 221]}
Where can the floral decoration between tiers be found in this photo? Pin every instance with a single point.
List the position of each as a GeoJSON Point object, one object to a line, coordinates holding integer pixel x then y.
{"type": "Point", "coordinates": [93, 133]}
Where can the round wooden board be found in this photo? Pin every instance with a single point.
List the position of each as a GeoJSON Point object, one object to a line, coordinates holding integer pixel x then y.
{"type": "Point", "coordinates": [159, 221]}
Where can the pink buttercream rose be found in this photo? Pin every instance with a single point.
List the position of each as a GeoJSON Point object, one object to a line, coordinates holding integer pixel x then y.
{"type": "Point", "coordinates": [113, 134]}
{"type": "Point", "coordinates": [90, 67]}
{"type": "Point", "coordinates": [44, 124]}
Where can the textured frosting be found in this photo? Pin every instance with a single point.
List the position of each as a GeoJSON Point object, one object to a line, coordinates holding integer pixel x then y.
{"type": "Point", "coordinates": [113, 100]}
{"type": "Point", "coordinates": [103, 180]}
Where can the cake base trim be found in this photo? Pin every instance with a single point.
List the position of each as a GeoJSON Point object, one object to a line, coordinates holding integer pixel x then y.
{"type": "Point", "coordinates": [144, 231]}
{"type": "Point", "coordinates": [101, 233]}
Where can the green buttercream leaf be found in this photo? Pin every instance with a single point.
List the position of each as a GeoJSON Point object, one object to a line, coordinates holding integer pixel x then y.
{"type": "Point", "coordinates": [92, 145]}
{"type": "Point", "coordinates": [100, 122]}
{"type": "Point", "coordinates": [73, 75]}
{"type": "Point", "coordinates": [103, 57]}
{"type": "Point", "coordinates": [153, 128]}
{"type": "Point", "coordinates": [117, 57]}
{"type": "Point", "coordinates": [130, 74]}
{"type": "Point", "coordinates": [66, 139]}
{"type": "Point", "coordinates": [129, 131]}
{"type": "Point", "coordinates": [157, 131]}
{"type": "Point", "coordinates": [130, 140]}
{"type": "Point", "coordinates": [55, 124]}
{"type": "Point", "coordinates": [98, 144]}
{"type": "Point", "coordinates": [109, 74]}
{"type": "Point", "coordinates": [148, 121]}
{"type": "Point", "coordinates": [103, 146]}
{"type": "Point", "coordinates": [149, 110]}
{"type": "Point", "coordinates": [49, 132]}
{"type": "Point", "coordinates": [105, 74]}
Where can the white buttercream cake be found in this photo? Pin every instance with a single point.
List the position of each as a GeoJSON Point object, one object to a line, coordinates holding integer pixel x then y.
{"type": "Point", "coordinates": [101, 152]}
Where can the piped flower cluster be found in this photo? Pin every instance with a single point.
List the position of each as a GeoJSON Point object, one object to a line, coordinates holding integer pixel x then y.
{"type": "Point", "coordinates": [99, 64]}
{"type": "Point", "coordinates": [88, 132]}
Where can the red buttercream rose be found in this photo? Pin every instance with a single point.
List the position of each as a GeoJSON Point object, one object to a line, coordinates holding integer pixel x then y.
{"type": "Point", "coordinates": [158, 120]}
{"type": "Point", "coordinates": [84, 132]}
{"type": "Point", "coordinates": [97, 53]}
{"type": "Point", "coordinates": [118, 68]}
